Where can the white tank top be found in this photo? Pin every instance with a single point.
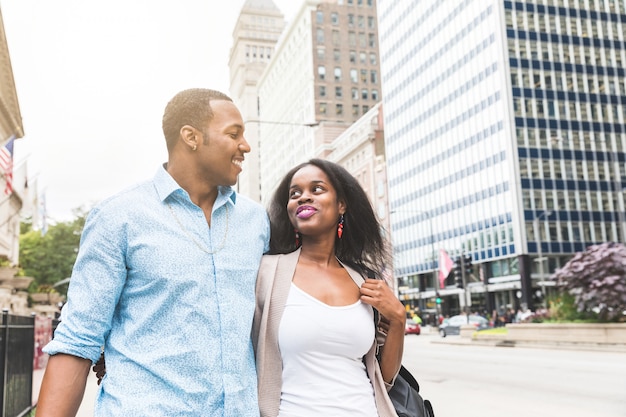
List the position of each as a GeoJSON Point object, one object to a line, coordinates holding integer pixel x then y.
{"type": "Point", "coordinates": [322, 348]}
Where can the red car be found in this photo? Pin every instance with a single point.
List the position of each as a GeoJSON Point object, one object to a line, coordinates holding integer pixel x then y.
{"type": "Point", "coordinates": [412, 328]}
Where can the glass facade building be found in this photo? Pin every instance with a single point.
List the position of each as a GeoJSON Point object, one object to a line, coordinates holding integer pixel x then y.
{"type": "Point", "coordinates": [505, 131]}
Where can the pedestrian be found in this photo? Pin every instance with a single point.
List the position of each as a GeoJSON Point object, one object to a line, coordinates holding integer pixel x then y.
{"type": "Point", "coordinates": [416, 319]}
{"type": "Point", "coordinates": [314, 328]}
{"type": "Point", "coordinates": [164, 282]}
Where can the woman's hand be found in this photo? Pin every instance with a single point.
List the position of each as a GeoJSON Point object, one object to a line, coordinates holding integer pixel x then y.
{"type": "Point", "coordinates": [377, 293]}
{"type": "Point", "coordinates": [100, 368]}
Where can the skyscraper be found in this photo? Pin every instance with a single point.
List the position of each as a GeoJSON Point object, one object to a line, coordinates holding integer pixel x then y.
{"type": "Point", "coordinates": [256, 32]}
{"type": "Point", "coordinates": [505, 133]}
{"type": "Point", "coordinates": [324, 76]}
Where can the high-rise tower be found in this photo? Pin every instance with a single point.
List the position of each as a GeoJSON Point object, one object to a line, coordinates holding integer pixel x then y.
{"type": "Point", "coordinates": [256, 32]}
{"type": "Point", "coordinates": [324, 76]}
{"type": "Point", "coordinates": [505, 133]}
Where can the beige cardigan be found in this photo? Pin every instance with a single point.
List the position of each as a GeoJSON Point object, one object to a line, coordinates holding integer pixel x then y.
{"type": "Point", "coordinates": [273, 283]}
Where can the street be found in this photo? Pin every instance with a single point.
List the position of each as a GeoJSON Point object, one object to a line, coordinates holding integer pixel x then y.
{"type": "Point", "coordinates": [484, 381]}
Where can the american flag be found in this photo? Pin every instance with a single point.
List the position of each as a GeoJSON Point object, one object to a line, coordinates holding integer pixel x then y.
{"type": "Point", "coordinates": [6, 164]}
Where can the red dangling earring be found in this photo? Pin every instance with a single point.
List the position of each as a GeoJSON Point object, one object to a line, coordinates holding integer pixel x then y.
{"type": "Point", "coordinates": [297, 237]}
{"type": "Point", "coordinates": [340, 227]}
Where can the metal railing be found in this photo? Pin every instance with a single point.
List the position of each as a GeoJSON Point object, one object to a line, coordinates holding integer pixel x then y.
{"type": "Point", "coordinates": [16, 364]}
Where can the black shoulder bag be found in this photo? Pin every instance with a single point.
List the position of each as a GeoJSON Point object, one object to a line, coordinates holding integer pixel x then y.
{"type": "Point", "coordinates": [405, 393]}
{"type": "Point", "coordinates": [406, 398]}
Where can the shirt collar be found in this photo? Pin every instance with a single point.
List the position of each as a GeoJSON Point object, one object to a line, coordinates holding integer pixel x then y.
{"type": "Point", "coordinates": [166, 185]}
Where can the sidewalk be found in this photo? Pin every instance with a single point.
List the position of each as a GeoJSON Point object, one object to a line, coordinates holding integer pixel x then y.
{"type": "Point", "coordinates": [91, 390]}
{"type": "Point", "coordinates": [504, 342]}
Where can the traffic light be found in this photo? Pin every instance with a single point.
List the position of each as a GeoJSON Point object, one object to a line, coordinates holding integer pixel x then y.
{"type": "Point", "coordinates": [467, 264]}
{"type": "Point", "coordinates": [438, 299]}
{"type": "Point", "coordinates": [458, 272]}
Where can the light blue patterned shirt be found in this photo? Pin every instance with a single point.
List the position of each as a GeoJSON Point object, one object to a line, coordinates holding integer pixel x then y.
{"type": "Point", "coordinates": [175, 320]}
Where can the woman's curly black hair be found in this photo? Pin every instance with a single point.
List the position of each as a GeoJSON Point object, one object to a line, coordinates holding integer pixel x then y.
{"type": "Point", "coordinates": [362, 245]}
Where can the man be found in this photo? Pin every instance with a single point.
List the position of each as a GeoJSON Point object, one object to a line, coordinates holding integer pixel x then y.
{"type": "Point", "coordinates": [164, 280]}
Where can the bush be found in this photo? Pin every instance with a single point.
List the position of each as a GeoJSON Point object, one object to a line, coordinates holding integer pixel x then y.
{"type": "Point", "coordinates": [596, 279]}
{"type": "Point", "coordinates": [563, 308]}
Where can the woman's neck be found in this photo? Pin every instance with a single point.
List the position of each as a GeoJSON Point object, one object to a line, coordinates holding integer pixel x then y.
{"type": "Point", "coordinates": [320, 255]}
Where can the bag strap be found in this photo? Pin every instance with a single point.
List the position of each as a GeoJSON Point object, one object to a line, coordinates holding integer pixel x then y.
{"type": "Point", "coordinates": [409, 378]}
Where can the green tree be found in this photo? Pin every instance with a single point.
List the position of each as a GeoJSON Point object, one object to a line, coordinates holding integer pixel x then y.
{"type": "Point", "coordinates": [50, 258]}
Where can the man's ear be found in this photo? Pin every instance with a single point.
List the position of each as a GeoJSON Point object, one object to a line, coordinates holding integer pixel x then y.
{"type": "Point", "coordinates": [189, 136]}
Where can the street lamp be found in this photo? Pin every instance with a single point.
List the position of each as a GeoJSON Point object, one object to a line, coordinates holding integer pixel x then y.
{"type": "Point", "coordinates": [540, 259]}
{"type": "Point", "coordinates": [249, 182]}
{"type": "Point", "coordinates": [269, 122]}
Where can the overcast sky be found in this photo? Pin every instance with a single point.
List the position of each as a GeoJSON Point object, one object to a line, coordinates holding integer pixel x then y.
{"type": "Point", "coordinates": [93, 78]}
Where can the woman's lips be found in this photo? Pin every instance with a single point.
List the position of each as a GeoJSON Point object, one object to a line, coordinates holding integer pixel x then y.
{"type": "Point", "coordinates": [304, 212]}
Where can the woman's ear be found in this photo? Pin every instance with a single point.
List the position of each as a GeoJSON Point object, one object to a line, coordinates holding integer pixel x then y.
{"type": "Point", "coordinates": [342, 207]}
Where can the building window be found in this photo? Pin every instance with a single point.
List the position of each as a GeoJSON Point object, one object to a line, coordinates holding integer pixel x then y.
{"type": "Point", "coordinates": [322, 91]}
{"type": "Point", "coordinates": [337, 73]}
{"type": "Point", "coordinates": [337, 55]}
{"type": "Point", "coordinates": [371, 22]}
{"type": "Point", "coordinates": [320, 54]}
{"type": "Point", "coordinates": [364, 94]}
{"type": "Point", "coordinates": [339, 109]}
{"type": "Point", "coordinates": [373, 76]}
{"type": "Point", "coordinates": [361, 22]}
{"type": "Point", "coordinates": [355, 109]}
{"type": "Point", "coordinates": [375, 95]}
{"type": "Point", "coordinates": [319, 17]}
{"type": "Point", "coordinates": [364, 76]}
{"type": "Point", "coordinates": [334, 18]}
{"type": "Point", "coordinates": [321, 72]}
{"type": "Point", "coordinates": [353, 76]}
{"type": "Point", "coordinates": [320, 35]}
{"type": "Point", "coordinates": [353, 57]}
{"type": "Point", "coordinates": [350, 20]}
{"type": "Point", "coordinates": [372, 40]}
{"type": "Point", "coordinates": [365, 108]}
{"type": "Point", "coordinates": [336, 38]}
{"type": "Point", "coordinates": [362, 58]}
{"type": "Point", "coordinates": [372, 58]}
{"type": "Point", "coordinates": [355, 93]}
{"type": "Point", "coordinates": [322, 108]}
{"type": "Point", "coordinates": [338, 92]}
{"type": "Point", "coordinates": [362, 40]}
{"type": "Point", "coordinates": [352, 39]}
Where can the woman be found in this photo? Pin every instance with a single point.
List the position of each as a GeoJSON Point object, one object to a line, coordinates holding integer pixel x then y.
{"type": "Point", "coordinates": [314, 328]}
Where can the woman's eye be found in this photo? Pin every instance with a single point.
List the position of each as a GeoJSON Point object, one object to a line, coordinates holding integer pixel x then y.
{"type": "Point", "coordinates": [294, 194]}
{"type": "Point", "coordinates": [318, 188]}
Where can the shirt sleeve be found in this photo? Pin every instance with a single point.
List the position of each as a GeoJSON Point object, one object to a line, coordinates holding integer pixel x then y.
{"type": "Point", "coordinates": [97, 280]}
{"type": "Point", "coordinates": [266, 234]}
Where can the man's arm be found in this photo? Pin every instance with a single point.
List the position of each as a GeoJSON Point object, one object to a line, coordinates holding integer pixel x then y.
{"type": "Point", "coordinates": [63, 386]}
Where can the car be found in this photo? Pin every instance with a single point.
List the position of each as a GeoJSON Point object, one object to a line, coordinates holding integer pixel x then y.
{"type": "Point", "coordinates": [452, 325]}
{"type": "Point", "coordinates": [412, 328]}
